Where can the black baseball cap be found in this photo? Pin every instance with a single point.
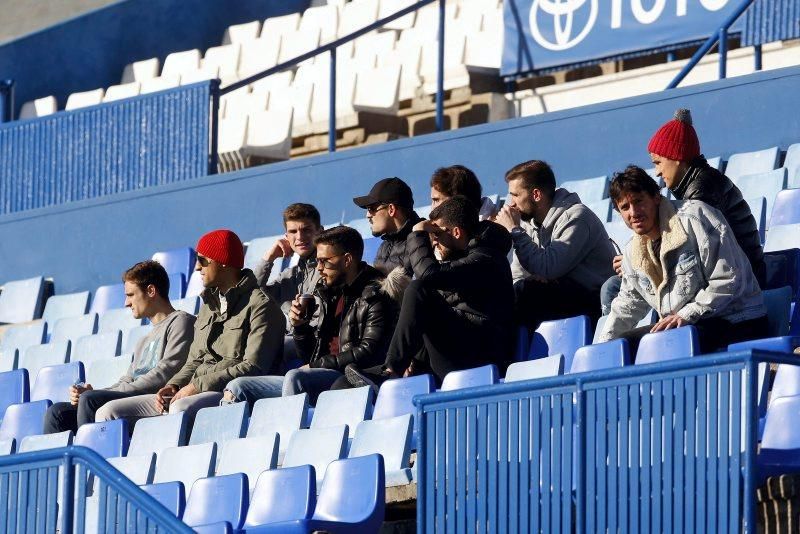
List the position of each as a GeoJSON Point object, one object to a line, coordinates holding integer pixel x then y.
{"type": "Point", "coordinates": [387, 191]}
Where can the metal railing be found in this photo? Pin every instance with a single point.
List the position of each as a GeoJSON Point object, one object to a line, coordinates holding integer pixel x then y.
{"type": "Point", "coordinates": [719, 36]}
{"type": "Point", "coordinates": [93, 496]}
{"type": "Point", "coordinates": [331, 49]}
{"type": "Point", "coordinates": [667, 447]}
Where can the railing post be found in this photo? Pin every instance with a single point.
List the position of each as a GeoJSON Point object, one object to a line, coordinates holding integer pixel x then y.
{"type": "Point", "coordinates": [6, 100]}
{"type": "Point", "coordinates": [670, 57]}
{"type": "Point", "coordinates": [332, 105]}
{"type": "Point", "coordinates": [581, 447]}
{"type": "Point", "coordinates": [440, 71]}
{"type": "Point", "coordinates": [757, 57]}
{"type": "Point", "coordinates": [68, 495]}
{"type": "Point", "coordinates": [213, 156]}
{"type": "Point", "coordinates": [723, 52]}
{"type": "Point", "coordinates": [751, 442]}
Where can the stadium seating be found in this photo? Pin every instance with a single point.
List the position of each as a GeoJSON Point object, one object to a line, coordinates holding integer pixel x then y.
{"type": "Point", "coordinates": [758, 207]}
{"type": "Point", "coordinates": [22, 420]}
{"type": "Point", "coordinates": [67, 305]}
{"type": "Point", "coordinates": [752, 162]}
{"type": "Point", "coordinates": [7, 446]}
{"type": "Point", "coordinates": [668, 345]}
{"type": "Point", "coordinates": [533, 369]}
{"type": "Point", "coordinates": [601, 208]}
{"type": "Point", "coordinates": [220, 499]}
{"type": "Point", "coordinates": [132, 336]}
{"type": "Point", "coordinates": [117, 319]}
{"type": "Point", "coordinates": [72, 328]}
{"type": "Point", "coordinates": [282, 496]}
{"type": "Point", "coordinates": [219, 424]}
{"type": "Point", "coordinates": [23, 336]}
{"type": "Point", "coordinates": [45, 441]}
{"type": "Point", "coordinates": [179, 260]}
{"type": "Point", "coordinates": [342, 407]}
{"type": "Point", "coordinates": [588, 189]}
{"type": "Point", "coordinates": [22, 300]}
{"type": "Point", "coordinates": [780, 443]}
{"type": "Point", "coordinates": [108, 297]}
{"type": "Point", "coordinates": [786, 209]}
{"type": "Point", "coordinates": [177, 286]}
{"type": "Point", "coordinates": [14, 389]}
{"type": "Point", "coordinates": [190, 305]}
{"type": "Point", "coordinates": [88, 349]}
{"type": "Point", "coordinates": [782, 237]}
{"type": "Point", "coordinates": [195, 285]}
{"type": "Point", "coordinates": [38, 356]}
{"type": "Point", "coordinates": [315, 446]}
{"type": "Point", "coordinates": [792, 165]}
{"type": "Point", "coordinates": [391, 438]}
{"type": "Point", "coordinates": [250, 456]}
{"type": "Point", "coordinates": [156, 434]}
{"type": "Point", "coordinates": [371, 246]}
{"type": "Point", "coordinates": [485, 375]}
{"type": "Point", "coordinates": [395, 397]}
{"type": "Point", "coordinates": [186, 464]}
{"type": "Point", "coordinates": [106, 372]}
{"type": "Point", "coordinates": [764, 184]}
{"type": "Point", "coordinates": [109, 439]}
{"type": "Point", "coordinates": [41, 107]}
{"type": "Point", "coordinates": [171, 495]}
{"type": "Point", "coordinates": [53, 381]}
{"type": "Point", "coordinates": [606, 355]}
{"type": "Point", "coordinates": [138, 468]}
{"type": "Point", "coordinates": [280, 415]}
{"type": "Point", "coordinates": [84, 99]}
{"type": "Point", "coordinates": [562, 336]}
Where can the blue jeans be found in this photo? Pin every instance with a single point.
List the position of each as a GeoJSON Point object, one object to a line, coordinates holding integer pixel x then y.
{"type": "Point", "coordinates": [252, 388]}
{"type": "Point", "coordinates": [609, 292]}
{"type": "Point", "coordinates": [311, 381]}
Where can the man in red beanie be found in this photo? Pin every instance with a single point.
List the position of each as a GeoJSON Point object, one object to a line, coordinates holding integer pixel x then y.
{"type": "Point", "coordinates": [675, 152]}
{"type": "Point", "coordinates": [239, 332]}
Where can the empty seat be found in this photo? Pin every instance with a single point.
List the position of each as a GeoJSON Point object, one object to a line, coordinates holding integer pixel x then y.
{"type": "Point", "coordinates": [390, 7]}
{"type": "Point", "coordinates": [108, 297]}
{"type": "Point", "coordinates": [588, 189]}
{"type": "Point", "coordinates": [139, 71]}
{"type": "Point", "coordinates": [154, 434]}
{"type": "Point", "coordinates": [455, 72]}
{"type": "Point", "coordinates": [786, 209]}
{"type": "Point", "coordinates": [171, 495]}
{"type": "Point", "coordinates": [779, 304]}
{"type": "Point", "coordinates": [765, 184]}
{"type": "Point", "coordinates": [22, 300]}
{"type": "Point", "coordinates": [378, 90]}
{"type": "Point", "coordinates": [96, 347]}
{"type": "Point", "coordinates": [256, 249]}
{"type": "Point", "coordinates": [177, 286]}
{"type": "Point", "coordinates": [396, 396]}
{"type": "Point", "coordinates": [758, 207]}
{"type": "Point", "coordinates": [792, 165]}
{"type": "Point", "coordinates": [322, 19]}
{"type": "Point", "coordinates": [299, 96]}
{"type": "Point", "coordinates": [362, 225]}
{"type": "Point", "coordinates": [296, 44]}
{"type": "Point", "coordinates": [7, 446]}
{"type": "Point", "coordinates": [107, 372]}
{"type": "Point", "coordinates": [619, 233]}
{"type": "Point", "coordinates": [356, 15]}
{"type": "Point", "coordinates": [40, 107]}
{"type": "Point", "coordinates": [161, 83]}
{"type": "Point", "coordinates": [782, 237]}
{"type": "Point", "coordinates": [38, 356]}
{"type": "Point", "coordinates": [116, 320]}
{"type": "Point", "coordinates": [107, 438]}
{"type": "Point", "coordinates": [280, 415]}
{"type": "Point", "coordinates": [601, 208]}
{"type": "Point", "coordinates": [752, 162]}
{"type": "Point", "coordinates": [195, 285]}
{"type": "Point", "coordinates": [561, 336]}
{"type": "Point", "coordinates": [23, 336]}
{"type": "Point", "coordinates": [73, 328]}
{"type": "Point", "coordinates": [668, 345]}
{"type": "Point", "coordinates": [343, 407]}
{"type": "Point", "coordinates": [478, 376]}
{"type": "Point", "coordinates": [315, 446]}
{"type": "Point", "coordinates": [84, 99]}
{"type": "Point", "coordinates": [391, 438]}
{"type": "Point", "coordinates": [608, 355]}
{"type": "Point", "coordinates": [13, 389]}
{"type": "Point", "coordinates": [279, 80]}
{"type": "Point", "coordinates": [259, 55]}
{"type": "Point", "coordinates": [232, 137]}
{"type": "Point", "coordinates": [269, 134]}
{"type": "Point", "coordinates": [178, 63]}
{"type": "Point", "coordinates": [68, 305]}
{"type": "Point", "coordinates": [178, 260]}
{"type": "Point", "coordinates": [780, 443]}
{"type": "Point", "coordinates": [281, 25]}
{"type": "Point", "coordinates": [218, 424]}
{"type": "Point", "coordinates": [186, 464]}
{"type": "Point", "coordinates": [533, 369]}
{"type": "Point", "coordinates": [281, 496]}
{"type": "Point", "coordinates": [250, 456]}
{"type": "Point", "coordinates": [42, 442]}
{"type": "Point", "coordinates": [22, 420]}
{"type": "Point", "coordinates": [122, 91]}
{"type": "Point", "coordinates": [138, 468]}
{"type": "Point", "coordinates": [190, 305]}
{"type": "Point", "coordinates": [218, 500]}
{"type": "Point", "coordinates": [223, 59]}
{"type": "Point", "coordinates": [132, 336]}
{"type": "Point", "coordinates": [53, 381]}
{"type": "Point", "coordinates": [484, 50]}
{"type": "Point", "coordinates": [239, 33]}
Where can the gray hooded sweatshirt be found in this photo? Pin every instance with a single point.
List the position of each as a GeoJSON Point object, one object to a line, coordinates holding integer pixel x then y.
{"type": "Point", "coordinates": [570, 243]}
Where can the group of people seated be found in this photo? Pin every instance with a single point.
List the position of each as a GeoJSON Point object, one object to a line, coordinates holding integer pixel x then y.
{"type": "Point", "coordinates": [441, 294]}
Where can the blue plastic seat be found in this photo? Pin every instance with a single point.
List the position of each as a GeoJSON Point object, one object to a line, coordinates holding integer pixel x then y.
{"type": "Point", "coordinates": [107, 438]}
{"type": "Point", "coordinates": [485, 375]}
{"type": "Point", "coordinates": [186, 464]}
{"type": "Point", "coordinates": [53, 381]}
{"type": "Point", "coordinates": [250, 456]}
{"type": "Point", "coordinates": [22, 420]}
{"type": "Point", "coordinates": [279, 415]}
{"type": "Point", "coordinates": [22, 300]}
{"type": "Point", "coordinates": [533, 369]}
{"type": "Point", "coordinates": [765, 184]}
{"type": "Point", "coordinates": [668, 345]}
{"type": "Point", "coordinates": [38, 356]}
{"type": "Point", "coordinates": [117, 319]}
{"type": "Point", "coordinates": [220, 499]}
{"type": "Point", "coordinates": [13, 389]}
{"type": "Point", "coordinates": [371, 246]}
{"type": "Point", "coordinates": [782, 237]}
{"type": "Point", "coordinates": [608, 355]}
{"type": "Point", "coordinates": [178, 260]}
{"type": "Point", "coordinates": [7, 446]}
{"type": "Point", "coordinates": [131, 337]}
{"type": "Point", "coordinates": [715, 162]}
{"type": "Point", "coordinates": [171, 495]}
{"type": "Point", "coordinates": [256, 249]}
{"type": "Point", "coordinates": [317, 447]}
{"type": "Point", "coordinates": [792, 164]}
{"type": "Point", "coordinates": [23, 336]}
{"type": "Point", "coordinates": [395, 397]}
{"type": "Point", "coordinates": [88, 349]}
{"type": "Point", "coordinates": [601, 208]}
{"type": "Point", "coordinates": [154, 434]}
{"type": "Point", "coordinates": [780, 443]}
{"type": "Point", "coordinates": [391, 438]}
{"type": "Point", "coordinates": [562, 336]}
{"type": "Point", "coordinates": [778, 303]}
{"type": "Point", "coordinates": [218, 424]}
{"type": "Point", "coordinates": [619, 233]}
{"type": "Point", "coordinates": [104, 373]}
{"type": "Point", "coordinates": [139, 469]}
{"type": "Point", "coordinates": [68, 305]}
{"type": "Point", "coordinates": [758, 207]}
{"type": "Point", "coordinates": [752, 162]}
{"type": "Point", "coordinates": [786, 209]}
{"type": "Point", "coordinates": [343, 407]}
{"type": "Point", "coordinates": [108, 297]}
{"type": "Point", "coordinates": [195, 285]}
{"type": "Point", "coordinates": [362, 224]}
{"type": "Point", "coordinates": [190, 305]}
{"type": "Point", "coordinates": [281, 497]}
{"type": "Point", "coordinates": [71, 328]}
{"type": "Point", "coordinates": [588, 189]}
{"type": "Point", "coordinates": [40, 442]}
{"type": "Point", "coordinates": [177, 286]}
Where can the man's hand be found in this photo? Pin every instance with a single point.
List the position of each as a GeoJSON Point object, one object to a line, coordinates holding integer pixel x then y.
{"type": "Point", "coordinates": [281, 249]}
{"type": "Point", "coordinates": [166, 391]}
{"type": "Point", "coordinates": [425, 226]}
{"type": "Point", "coordinates": [186, 391]}
{"type": "Point", "coordinates": [296, 313]}
{"type": "Point", "coordinates": [509, 217]}
{"type": "Point", "coordinates": [617, 264]}
{"type": "Point", "coordinates": [76, 392]}
{"type": "Point", "coordinates": [668, 322]}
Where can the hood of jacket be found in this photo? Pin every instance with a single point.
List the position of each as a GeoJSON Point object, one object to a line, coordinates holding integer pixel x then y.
{"type": "Point", "coordinates": [562, 201]}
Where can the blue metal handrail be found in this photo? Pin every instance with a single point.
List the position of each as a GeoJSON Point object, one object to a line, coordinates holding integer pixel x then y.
{"type": "Point", "coordinates": [67, 457]}
{"type": "Point", "coordinates": [720, 36]}
{"type": "Point", "coordinates": [331, 48]}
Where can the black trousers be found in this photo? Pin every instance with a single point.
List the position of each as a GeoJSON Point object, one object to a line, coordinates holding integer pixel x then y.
{"type": "Point", "coordinates": [559, 299]}
{"type": "Point", "coordinates": [63, 416]}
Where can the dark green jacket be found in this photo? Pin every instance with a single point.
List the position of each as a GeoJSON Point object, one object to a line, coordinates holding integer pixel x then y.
{"type": "Point", "coordinates": [246, 341]}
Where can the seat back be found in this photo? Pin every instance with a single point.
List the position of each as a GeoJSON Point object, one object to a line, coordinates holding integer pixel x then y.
{"type": "Point", "coordinates": [104, 373]}
{"type": "Point", "coordinates": [107, 438]}
{"type": "Point", "coordinates": [371, 246]}
{"type": "Point", "coordinates": [69, 305]}
{"type": "Point", "coordinates": [39, 356]}
{"type": "Point", "coordinates": [354, 492]}
{"type": "Point", "coordinates": [96, 347]}
{"type": "Point", "coordinates": [72, 328]}
{"type": "Point", "coordinates": [195, 285]}
{"type": "Point", "coordinates": [317, 447]}
{"type": "Point", "coordinates": [256, 249]}
{"type": "Point", "coordinates": [280, 415]}
{"type": "Point", "coordinates": [154, 434]}
{"type": "Point", "coordinates": [186, 464]}
{"type": "Point", "coordinates": [562, 336]}
{"type": "Point", "coordinates": [588, 189]}
{"type": "Point", "coordinates": [765, 184]}
{"type": "Point", "coordinates": [22, 300]}
{"type": "Point", "coordinates": [190, 305]}
{"type": "Point", "coordinates": [286, 494]}
{"type": "Point", "coordinates": [610, 354]}
{"type": "Point", "coordinates": [485, 375]}
{"type": "Point", "coordinates": [343, 407]}
{"type": "Point", "coordinates": [171, 495]}
{"type": "Point", "coordinates": [250, 456]}
{"type": "Point", "coordinates": [117, 319]}
{"type": "Point", "coordinates": [131, 337]}
{"type": "Point", "coordinates": [177, 285]}
{"type": "Point", "coordinates": [395, 397]}
{"type": "Point", "coordinates": [23, 336]}
{"type": "Point", "coordinates": [782, 237]}
{"type": "Point", "coordinates": [218, 424]}
{"type": "Point", "coordinates": [177, 260]}
{"type": "Point", "coordinates": [22, 420]}
{"type": "Point", "coordinates": [390, 437]}
{"type": "Point", "coordinates": [533, 369]}
{"type": "Point", "coordinates": [138, 468]}
{"type": "Point", "coordinates": [752, 162]}
{"type": "Point", "coordinates": [42, 442]}
{"type": "Point", "coordinates": [668, 345]}
{"type": "Point", "coordinates": [13, 389]}
{"type": "Point", "coordinates": [108, 297]}
{"type": "Point", "coordinates": [53, 381]}
{"type": "Point", "coordinates": [786, 209]}
{"type": "Point", "coordinates": [758, 207]}
{"type": "Point", "coordinates": [218, 499]}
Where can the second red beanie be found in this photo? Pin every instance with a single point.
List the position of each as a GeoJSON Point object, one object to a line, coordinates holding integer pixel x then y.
{"type": "Point", "coordinates": [222, 246]}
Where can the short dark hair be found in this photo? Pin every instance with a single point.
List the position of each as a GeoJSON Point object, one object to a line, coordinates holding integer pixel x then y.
{"type": "Point", "coordinates": [298, 210]}
{"type": "Point", "coordinates": [457, 180]}
{"type": "Point", "coordinates": [344, 238]}
{"type": "Point", "coordinates": [147, 273]}
{"type": "Point", "coordinates": [535, 174]}
{"type": "Point", "coordinates": [632, 180]}
{"type": "Point", "coordinates": [457, 211]}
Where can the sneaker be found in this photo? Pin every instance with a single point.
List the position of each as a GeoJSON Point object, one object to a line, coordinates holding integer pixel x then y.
{"type": "Point", "coordinates": [358, 379]}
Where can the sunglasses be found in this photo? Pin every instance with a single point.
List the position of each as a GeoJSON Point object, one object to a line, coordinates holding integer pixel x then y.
{"type": "Point", "coordinates": [203, 261]}
{"type": "Point", "coordinates": [375, 209]}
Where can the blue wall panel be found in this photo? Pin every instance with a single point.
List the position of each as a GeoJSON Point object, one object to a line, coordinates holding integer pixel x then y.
{"type": "Point", "coordinates": [91, 51]}
{"type": "Point", "coordinates": [89, 243]}
{"type": "Point", "coordinates": [106, 149]}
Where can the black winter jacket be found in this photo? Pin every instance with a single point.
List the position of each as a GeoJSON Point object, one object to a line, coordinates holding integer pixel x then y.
{"type": "Point", "coordinates": [367, 324]}
{"type": "Point", "coordinates": [703, 182]}
{"type": "Point", "coordinates": [392, 252]}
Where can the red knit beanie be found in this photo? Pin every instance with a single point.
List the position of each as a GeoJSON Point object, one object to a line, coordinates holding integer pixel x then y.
{"type": "Point", "coordinates": [677, 139]}
{"type": "Point", "coordinates": [222, 246]}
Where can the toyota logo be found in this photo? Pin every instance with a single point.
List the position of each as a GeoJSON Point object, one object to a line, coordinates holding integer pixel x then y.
{"type": "Point", "coordinates": [562, 13]}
